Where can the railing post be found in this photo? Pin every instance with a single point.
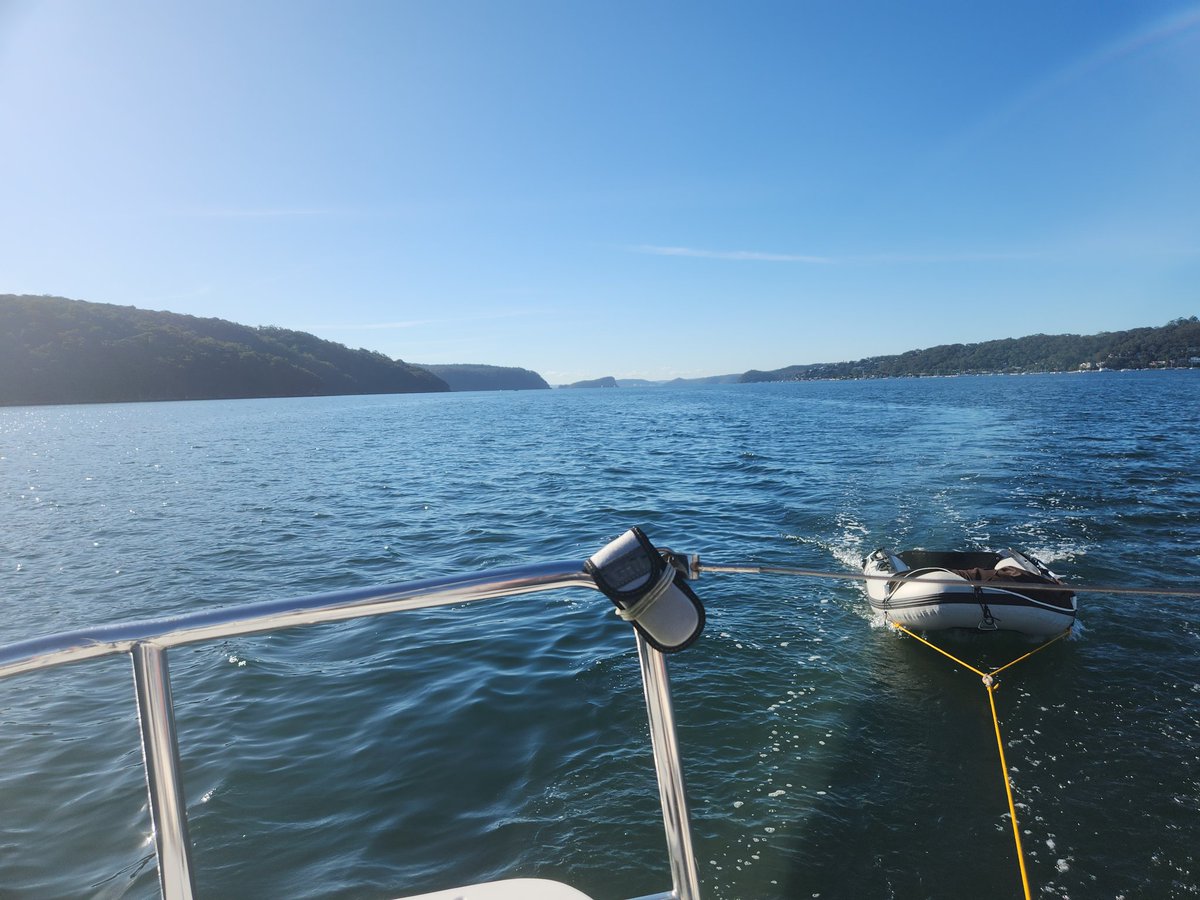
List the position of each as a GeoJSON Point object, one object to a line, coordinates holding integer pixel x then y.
{"type": "Point", "coordinates": [685, 879]}
{"type": "Point", "coordinates": [160, 750]}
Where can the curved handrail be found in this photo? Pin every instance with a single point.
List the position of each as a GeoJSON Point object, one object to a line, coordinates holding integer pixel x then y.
{"type": "Point", "coordinates": [147, 641]}
{"type": "Point", "coordinates": [271, 615]}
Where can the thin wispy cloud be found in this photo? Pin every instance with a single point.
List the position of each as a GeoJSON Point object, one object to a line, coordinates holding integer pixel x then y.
{"type": "Point", "coordinates": [1148, 36]}
{"type": "Point", "coordinates": [1157, 32]}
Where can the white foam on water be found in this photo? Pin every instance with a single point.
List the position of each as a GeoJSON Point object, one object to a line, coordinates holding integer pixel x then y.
{"type": "Point", "coordinates": [1064, 552]}
{"type": "Point", "coordinates": [849, 557]}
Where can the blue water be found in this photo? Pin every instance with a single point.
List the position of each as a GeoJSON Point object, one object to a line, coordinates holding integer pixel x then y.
{"type": "Point", "coordinates": [825, 755]}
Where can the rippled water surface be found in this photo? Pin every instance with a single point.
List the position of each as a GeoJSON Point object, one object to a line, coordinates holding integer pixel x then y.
{"type": "Point", "coordinates": [825, 756]}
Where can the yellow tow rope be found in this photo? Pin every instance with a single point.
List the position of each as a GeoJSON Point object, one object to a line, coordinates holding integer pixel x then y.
{"type": "Point", "coordinates": [989, 683]}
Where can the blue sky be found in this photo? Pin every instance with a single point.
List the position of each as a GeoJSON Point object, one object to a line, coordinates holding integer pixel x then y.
{"type": "Point", "coordinates": [644, 189]}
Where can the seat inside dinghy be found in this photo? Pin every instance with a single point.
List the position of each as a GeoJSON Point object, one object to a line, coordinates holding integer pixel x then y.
{"type": "Point", "coordinates": [1011, 572]}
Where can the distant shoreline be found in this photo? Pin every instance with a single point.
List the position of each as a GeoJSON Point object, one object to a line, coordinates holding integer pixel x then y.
{"type": "Point", "coordinates": [649, 387]}
{"type": "Point", "coordinates": [56, 351]}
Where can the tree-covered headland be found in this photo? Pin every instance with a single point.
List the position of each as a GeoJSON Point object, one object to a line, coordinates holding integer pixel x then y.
{"type": "Point", "coordinates": [477, 377]}
{"type": "Point", "coordinates": [1174, 345]}
{"type": "Point", "coordinates": [54, 350]}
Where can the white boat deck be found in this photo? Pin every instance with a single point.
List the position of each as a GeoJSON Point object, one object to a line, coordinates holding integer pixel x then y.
{"type": "Point", "coordinates": [509, 889]}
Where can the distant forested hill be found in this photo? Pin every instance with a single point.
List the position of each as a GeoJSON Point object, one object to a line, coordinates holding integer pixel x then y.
{"type": "Point", "coordinates": [678, 382]}
{"type": "Point", "coordinates": [465, 377]}
{"type": "Point", "coordinates": [54, 350]}
{"type": "Point", "coordinates": [606, 382]}
{"type": "Point", "coordinates": [1176, 344]}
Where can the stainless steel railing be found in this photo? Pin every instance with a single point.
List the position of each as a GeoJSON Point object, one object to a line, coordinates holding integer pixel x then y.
{"type": "Point", "coordinates": [147, 643]}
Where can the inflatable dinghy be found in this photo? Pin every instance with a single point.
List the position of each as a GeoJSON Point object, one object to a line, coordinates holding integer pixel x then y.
{"type": "Point", "coordinates": [1005, 591]}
